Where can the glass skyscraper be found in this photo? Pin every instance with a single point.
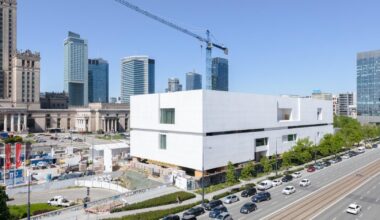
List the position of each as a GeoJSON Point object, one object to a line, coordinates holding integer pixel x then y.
{"type": "Point", "coordinates": [193, 81]}
{"type": "Point", "coordinates": [76, 69]}
{"type": "Point", "coordinates": [368, 85]}
{"type": "Point", "coordinates": [219, 74]}
{"type": "Point", "coordinates": [98, 80]}
{"type": "Point", "coordinates": [137, 76]}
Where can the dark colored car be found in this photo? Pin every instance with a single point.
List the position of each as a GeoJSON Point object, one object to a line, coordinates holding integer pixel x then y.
{"type": "Point", "coordinates": [171, 217]}
{"type": "Point", "coordinates": [89, 173]}
{"type": "Point", "coordinates": [248, 208]}
{"type": "Point", "coordinates": [194, 211]}
{"type": "Point", "coordinates": [352, 153]}
{"type": "Point", "coordinates": [338, 159]}
{"type": "Point", "coordinates": [287, 178]}
{"type": "Point", "coordinates": [326, 163]}
{"type": "Point", "coordinates": [212, 204]}
{"type": "Point", "coordinates": [217, 211]}
{"type": "Point", "coordinates": [261, 196]}
{"type": "Point", "coordinates": [248, 192]}
{"type": "Point", "coordinates": [310, 169]}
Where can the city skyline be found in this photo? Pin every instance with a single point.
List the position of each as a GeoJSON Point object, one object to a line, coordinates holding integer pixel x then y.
{"type": "Point", "coordinates": [323, 45]}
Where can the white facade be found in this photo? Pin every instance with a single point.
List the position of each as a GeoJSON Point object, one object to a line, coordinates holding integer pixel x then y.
{"type": "Point", "coordinates": [223, 125]}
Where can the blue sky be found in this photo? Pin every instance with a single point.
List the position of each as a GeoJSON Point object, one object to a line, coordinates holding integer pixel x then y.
{"type": "Point", "coordinates": [276, 46]}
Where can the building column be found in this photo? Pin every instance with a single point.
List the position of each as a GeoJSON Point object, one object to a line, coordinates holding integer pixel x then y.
{"type": "Point", "coordinates": [25, 120]}
{"type": "Point", "coordinates": [12, 123]}
{"type": "Point", "coordinates": [103, 125]}
{"type": "Point", "coordinates": [113, 125]}
{"type": "Point", "coordinates": [5, 122]}
{"type": "Point", "coordinates": [18, 122]}
{"type": "Point", "coordinates": [116, 124]}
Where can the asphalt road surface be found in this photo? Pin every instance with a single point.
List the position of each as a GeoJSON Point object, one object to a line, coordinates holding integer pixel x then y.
{"type": "Point", "coordinates": [318, 180]}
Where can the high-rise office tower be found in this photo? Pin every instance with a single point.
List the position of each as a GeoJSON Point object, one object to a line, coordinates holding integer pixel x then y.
{"type": "Point", "coordinates": [193, 81]}
{"type": "Point", "coordinates": [219, 74]}
{"type": "Point", "coordinates": [8, 19]}
{"type": "Point", "coordinates": [98, 80]}
{"type": "Point", "coordinates": [76, 69]}
{"type": "Point", "coordinates": [367, 85]}
{"type": "Point", "coordinates": [137, 76]}
{"type": "Point", "coordinates": [174, 85]}
{"type": "Point", "coordinates": [345, 101]}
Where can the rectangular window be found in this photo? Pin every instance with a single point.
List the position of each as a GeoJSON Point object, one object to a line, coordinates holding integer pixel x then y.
{"type": "Point", "coordinates": [167, 116]}
{"type": "Point", "coordinates": [289, 138]}
{"type": "Point", "coordinates": [261, 142]}
{"type": "Point", "coordinates": [163, 141]}
{"type": "Point", "coordinates": [284, 114]}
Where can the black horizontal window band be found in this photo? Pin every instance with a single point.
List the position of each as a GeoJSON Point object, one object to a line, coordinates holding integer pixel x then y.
{"type": "Point", "coordinates": [260, 129]}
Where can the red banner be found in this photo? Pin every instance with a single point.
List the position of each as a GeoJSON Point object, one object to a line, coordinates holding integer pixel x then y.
{"type": "Point", "coordinates": [18, 155]}
{"type": "Point", "coordinates": [8, 162]}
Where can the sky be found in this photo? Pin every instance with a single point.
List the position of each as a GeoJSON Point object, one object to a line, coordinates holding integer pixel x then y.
{"type": "Point", "coordinates": [275, 46]}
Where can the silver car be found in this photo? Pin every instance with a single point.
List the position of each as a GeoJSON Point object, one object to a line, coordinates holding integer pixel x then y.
{"type": "Point", "coordinates": [231, 199]}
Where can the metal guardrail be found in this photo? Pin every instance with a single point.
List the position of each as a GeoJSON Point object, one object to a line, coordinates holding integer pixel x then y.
{"type": "Point", "coordinates": [93, 203]}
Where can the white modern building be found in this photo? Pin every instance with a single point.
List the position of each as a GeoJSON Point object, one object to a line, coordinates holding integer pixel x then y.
{"type": "Point", "coordinates": [184, 129]}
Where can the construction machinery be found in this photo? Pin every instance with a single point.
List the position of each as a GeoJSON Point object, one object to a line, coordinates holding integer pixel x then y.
{"type": "Point", "coordinates": [207, 39]}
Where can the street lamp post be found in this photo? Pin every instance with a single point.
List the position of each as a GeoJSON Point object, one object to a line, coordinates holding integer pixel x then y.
{"type": "Point", "coordinates": [29, 180]}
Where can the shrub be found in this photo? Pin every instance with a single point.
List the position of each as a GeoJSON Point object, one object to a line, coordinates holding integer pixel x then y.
{"type": "Point", "coordinates": [275, 177]}
{"type": "Point", "coordinates": [221, 195]}
{"type": "Point", "coordinates": [214, 188]}
{"type": "Point", "coordinates": [157, 201]}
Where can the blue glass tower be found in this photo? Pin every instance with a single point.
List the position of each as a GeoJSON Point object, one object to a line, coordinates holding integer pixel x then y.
{"type": "Point", "coordinates": [98, 80]}
{"type": "Point", "coordinates": [193, 81]}
{"type": "Point", "coordinates": [137, 77]}
{"type": "Point", "coordinates": [368, 84]}
{"type": "Point", "coordinates": [219, 74]}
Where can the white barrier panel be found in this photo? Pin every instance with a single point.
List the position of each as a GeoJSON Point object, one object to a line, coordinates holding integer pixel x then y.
{"type": "Point", "coordinates": [100, 184]}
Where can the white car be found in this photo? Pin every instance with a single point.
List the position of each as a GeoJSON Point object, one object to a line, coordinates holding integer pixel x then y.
{"type": "Point", "coordinates": [276, 182]}
{"type": "Point", "coordinates": [264, 185]}
{"type": "Point", "coordinates": [289, 190]}
{"type": "Point", "coordinates": [296, 174]}
{"type": "Point", "coordinates": [305, 182]}
{"type": "Point", "coordinates": [354, 209]}
{"type": "Point", "coordinates": [346, 156]}
{"type": "Point", "coordinates": [231, 199]}
{"type": "Point", "coordinates": [54, 201]}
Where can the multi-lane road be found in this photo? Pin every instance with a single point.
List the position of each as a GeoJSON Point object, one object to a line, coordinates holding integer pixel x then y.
{"type": "Point", "coordinates": [320, 180]}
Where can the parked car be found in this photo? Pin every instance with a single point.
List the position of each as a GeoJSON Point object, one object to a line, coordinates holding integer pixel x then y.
{"type": "Point", "coordinates": [289, 190]}
{"type": "Point", "coordinates": [326, 163]}
{"type": "Point", "coordinates": [361, 150]}
{"type": "Point", "coordinates": [171, 217]}
{"type": "Point", "coordinates": [261, 196]}
{"type": "Point", "coordinates": [319, 166]}
{"type": "Point", "coordinates": [60, 201]}
{"type": "Point", "coordinates": [216, 211]}
{"type": "Point", "coordinates": [310, 169]}
{"type": "Point", "coordinates": [305, 182]}
{"type": "Point", "coordinates": [264, 185]}
{"type": "Point", "coordinates": [248, 192]}
{"type": "Point", "coordinates": [338, 159]}
{"type": "Point", "coordinates": [89, 173]}
{"type": "Point", "coordinates": [352, 153]}
{"type": "Point", "coordinates": [231, 199]}
{"type": "Point", "coordinates": [276, 182]}
{"type": "Point", "coordinates": [354, 209]}
{"type": "Point", "coordinates": [212, 204]}
{"type": "Point", "coordinates": [224, 216]}
{"type": "Point", "coordinates": [345, 156]}
{"type": "Point", "coordinates": [248, 208]}
{"type": "Point", "coordinates": [189, 217]}
{"type": "Point", "coordinates": [195, 211]}
{"type": "Point", "coordinates": [287, 178]}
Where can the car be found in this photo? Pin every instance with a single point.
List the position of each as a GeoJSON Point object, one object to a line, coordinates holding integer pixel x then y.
{"type": "Point", "coordinates": [224, 216]}
{"type": "Point", "coordinates": [248, 192]}
{"type": "Point", "coordinates": [310, 169]}
{"type": "Point", "coordinates": [42, 164]}
{"type": "Point", "coordinates": [374, 145]}
{"type": "Point", "coordinates": [195, 211]}
{"type": "Point", "coordinates": [264, 185]}
{"type": "Point", "coordinates": [171, 217]}
{"type": "Point", "coordinates": [338, 159]}
{"type": "Point", "coordinates": [287, 178]}
{"type": "Point", "coordinates": [326, 163]}
{"type": "Point", "coordinates": [261, 196]}
{"type": "Point", "coordinates": [276, 182]}
{"type": "Point", "coordinates": [54, 201]}
{"type": "Point", "coordinates": [231, 199]}
{"type": "Point", "coordinates": [189, 217]}
{"type": "Point", "coordinates": [215, 212]}
{"type": "Point", "coordinates": [305, 182]}
{"type": "Point", "coordinates": [361, 150]}
{"type": "Point", "coordinates": [89, 173]}
{"type": "Point", "coordinates": [319, 166]}
{"type": "Point", "coordinates": [333, 161]}
{"type": "Point", "coordinates": [289, 190]}
{"type": "Point", "coordinates": [248, 208]}
{"type": "Point", "coordinates": [212, 204]}
{"type": "Point", "coordinates": [354, 209]}
{"type": "Point", "coordinates": [352, 153]}
{"type": "Point", "coordinates": [345, 156]}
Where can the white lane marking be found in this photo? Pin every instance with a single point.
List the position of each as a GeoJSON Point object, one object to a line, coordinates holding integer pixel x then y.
{"type": "Point", "coordinates": [316, 191]}
{"type": "Point", "coordinates": [369, 207]}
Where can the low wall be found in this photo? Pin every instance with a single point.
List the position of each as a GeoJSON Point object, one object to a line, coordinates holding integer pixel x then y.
{"type": "Point", "coordinates": [100, 184]}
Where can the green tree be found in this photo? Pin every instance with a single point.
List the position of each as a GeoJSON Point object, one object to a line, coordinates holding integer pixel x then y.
{"type": "Point", "coordinates": [230, 174]}
{"type": "Point", "coordinates": [4, 211]}
{"type": "Point", "coordinates": [303, 151]}
{"type": "Point", "coordinates": [266, 164]}
{"type": "Point", "coordinates": [287, 158]}
{"type": "Point", "coordinates": [246, 172]}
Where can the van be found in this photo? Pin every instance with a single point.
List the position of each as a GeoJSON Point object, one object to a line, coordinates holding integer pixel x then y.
{"type": "Point", "coordinates": [264, 185]}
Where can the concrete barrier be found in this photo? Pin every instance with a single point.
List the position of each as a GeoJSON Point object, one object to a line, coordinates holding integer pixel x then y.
{"type": "Point", "coordinates": [101, 184]}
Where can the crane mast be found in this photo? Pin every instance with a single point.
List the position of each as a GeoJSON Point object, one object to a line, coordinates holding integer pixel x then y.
{"type": "Point", "coordinates": [207, 39]}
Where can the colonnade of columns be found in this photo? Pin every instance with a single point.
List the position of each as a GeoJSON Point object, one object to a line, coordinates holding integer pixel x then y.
{"type": "Point", "coordinates": [13, 118]}
{"type": "Point", "coordinates": [110, 124]}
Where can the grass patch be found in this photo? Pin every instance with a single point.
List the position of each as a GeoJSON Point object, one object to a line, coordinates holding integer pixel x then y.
{"type": "Point", "coordinates": [157, 201]}
{"type": "Point", "coordinates": [20, 211]}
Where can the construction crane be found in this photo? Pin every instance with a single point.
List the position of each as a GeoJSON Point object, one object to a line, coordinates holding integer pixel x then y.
{"type": "Point", "coordinates": [207, 39]}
